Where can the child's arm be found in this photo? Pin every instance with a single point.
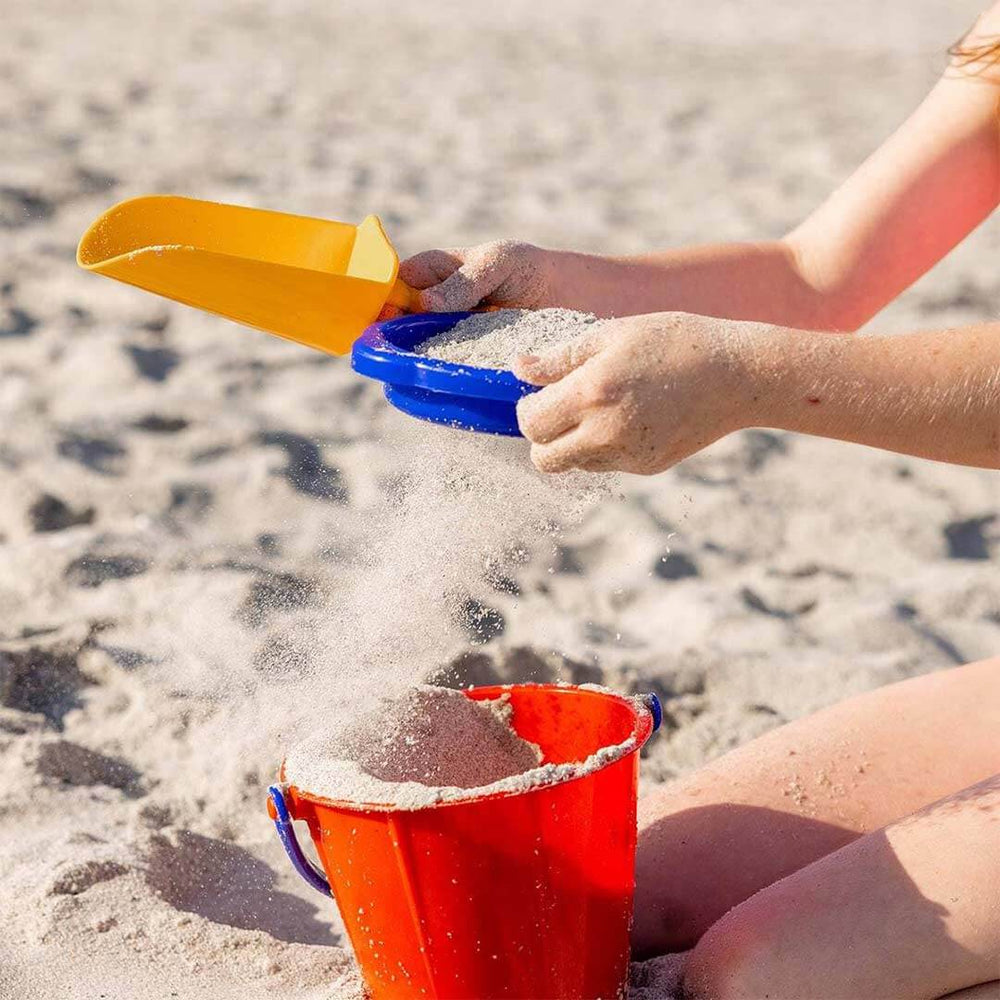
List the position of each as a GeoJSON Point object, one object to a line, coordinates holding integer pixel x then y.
{"type": "Point", "coordinates": [916, 197]}
{"type": "Point", "coordinates": [642, 393]}
{"type": "Point", "coordinates": [933, 394]}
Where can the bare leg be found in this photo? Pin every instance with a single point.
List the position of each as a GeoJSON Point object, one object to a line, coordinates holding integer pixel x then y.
{"type": "Point", "coordinates": [712, 839]}
{"type": "Point", "coordinates": [984, 991]}
{"type": "Point", "coordinates": [912, 911]}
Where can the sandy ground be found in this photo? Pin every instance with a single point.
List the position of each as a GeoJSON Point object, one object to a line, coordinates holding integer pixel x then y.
{"type": "Point", "coordinates": [178, 493]}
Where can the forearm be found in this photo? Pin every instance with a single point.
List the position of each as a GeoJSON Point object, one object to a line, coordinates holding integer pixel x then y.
{"type": "Point", "coordinates": [928, 186]}
{"type": "Point", "coordinates": [753, 281]}
{"type": "Point", "coordinates": [935, 395]}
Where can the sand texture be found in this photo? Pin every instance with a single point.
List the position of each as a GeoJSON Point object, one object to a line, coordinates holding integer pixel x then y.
{"type": "Point", "coordinates": [496, 339]}
{"type": "Point", "coordinates": [203, 529]}
{"type": "Point", "coordinates": [430, 745]}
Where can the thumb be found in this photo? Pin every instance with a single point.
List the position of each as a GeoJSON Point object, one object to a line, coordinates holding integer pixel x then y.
{"type": "Point", "coordinates": [557, 363]}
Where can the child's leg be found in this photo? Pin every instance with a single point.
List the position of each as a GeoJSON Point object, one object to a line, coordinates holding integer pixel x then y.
{"type": "Point", "coordinates": [712, 839]}
{"type": "Point", "coordinates": [911, 911]}
{"type": "Point", "coordinates": [984, 991]}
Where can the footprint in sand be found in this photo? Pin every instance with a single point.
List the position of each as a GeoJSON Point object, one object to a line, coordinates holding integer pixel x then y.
{"type": "Point", "coordinates": [522, 664]}
{"type": "Point", "coordinates": [153, 363]}
{"type": "Point", "coordinates": [271, 592]}
{"type": "Point", "coordinates": [968, 539]}
{"type": "Point", "coordinates": [40, 674]}
{"type": "Point", "coordinates": [79, 877]}
{"type": "Point", "coordinates": [675, 566]}
{"type": "Point", "coordinates": [480, 622]}
{"type": "Point", "coordinates": [99, 454]}
{"type": "Point", "coordinates": [92, 570]}
{"type": "Point", "coordinates": [17, 323]}
{"type": "Point", "coordinates": [21, 207]}
{"type": "Point", "coordinates": [280, 656]}
{"type": "Point", "coordinates": [156, 423]}
{"type": "Point", "coordinates": [306, 471]}
{"type": "Point", "coordinates": [49, 513]}
{"type": "Point", "coordinates": [72, 764]}
{"type": "Point", "coordinates": [189, 504]}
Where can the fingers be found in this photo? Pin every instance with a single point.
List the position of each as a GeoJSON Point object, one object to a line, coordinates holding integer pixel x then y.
{"type": "Point", "coordinates": [560, 428]}
{"type": "Point", "coordinates": [501, 273]}
{"type": "Point", "coordinates": [545, 415]}
{"type": "Point", "coordinates": [467, 286]}
{"type": "Point", "coordinates": [542, 419]}
{"type": "Point", "coordinates": [430, 267]}
{"type": "Point", "coordinates": [551, 366]}
{"type": "Point", "coordinates": [562, 454]}
{"type": "Point", "coordinates": [583, 446]}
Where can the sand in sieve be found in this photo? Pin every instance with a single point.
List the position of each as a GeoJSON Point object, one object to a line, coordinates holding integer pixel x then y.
{"type": "Point", "coordinates": [495, 339]}
{"type": "Point", "coordinates": [415, 750]}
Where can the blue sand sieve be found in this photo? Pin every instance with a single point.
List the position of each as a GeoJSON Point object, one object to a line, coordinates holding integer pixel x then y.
{"type": "Point", "coordinates": [463, 396]}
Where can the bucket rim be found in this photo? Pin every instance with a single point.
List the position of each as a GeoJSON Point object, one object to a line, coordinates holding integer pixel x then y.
{"type": "Point", "coordinates": [645, 723]}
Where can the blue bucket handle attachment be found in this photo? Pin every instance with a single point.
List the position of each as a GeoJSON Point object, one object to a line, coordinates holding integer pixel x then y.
{"type": "Point", "coordinates": [286, 834]}
{"type": "Point", "coordinates": [655, 709]}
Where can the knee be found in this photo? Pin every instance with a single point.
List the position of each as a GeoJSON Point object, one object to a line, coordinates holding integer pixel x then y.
{"type": "Point", "coordinates": [726, 962]}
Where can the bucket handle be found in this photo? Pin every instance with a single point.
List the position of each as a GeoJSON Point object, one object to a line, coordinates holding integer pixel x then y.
{"type": "Point", "coordinates": [652, 703]}
{"type": "Point", "coordinates": [277, 809]}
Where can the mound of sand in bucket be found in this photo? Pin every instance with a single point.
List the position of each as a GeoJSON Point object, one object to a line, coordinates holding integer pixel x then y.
{"type": "Point", "coordinates": [430, 745]}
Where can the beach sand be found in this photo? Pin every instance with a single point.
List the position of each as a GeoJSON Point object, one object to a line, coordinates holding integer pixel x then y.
{"type": "Point", "coordinates": [180, 495]}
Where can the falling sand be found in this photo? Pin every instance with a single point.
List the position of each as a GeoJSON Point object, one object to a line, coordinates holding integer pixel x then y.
{"type": "Point", "coordinates": [465, 503]}
{"type": "Point", "coordinates": [460, 512]}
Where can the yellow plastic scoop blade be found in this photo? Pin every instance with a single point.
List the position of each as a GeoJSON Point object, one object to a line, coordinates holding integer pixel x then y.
{"type": "Point", "coordinates": [311, 280]}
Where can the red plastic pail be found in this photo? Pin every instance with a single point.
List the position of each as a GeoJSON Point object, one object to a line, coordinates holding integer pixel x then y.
{"type": "Point", "coordinates": [525, 894]}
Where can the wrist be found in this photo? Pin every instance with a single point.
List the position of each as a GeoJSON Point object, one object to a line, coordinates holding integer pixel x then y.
{"type": "Point", "coordinates": [760, 358]}
{"type": "Point", "coordinates": [547, 266]}
{"type": "Point", "coordinates": [793, 378]}
{"type": "Point", "coordinates": [574, 280]}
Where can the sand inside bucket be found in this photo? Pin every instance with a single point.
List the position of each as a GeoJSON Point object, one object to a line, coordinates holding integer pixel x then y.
{"type": "Point", "coordinates": [495, 339]}
{"type": "Point", "coordinates": [431, 745]}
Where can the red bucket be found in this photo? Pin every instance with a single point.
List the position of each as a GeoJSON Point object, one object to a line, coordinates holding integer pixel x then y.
{"type": "Point", "coordinates": [525, 894]}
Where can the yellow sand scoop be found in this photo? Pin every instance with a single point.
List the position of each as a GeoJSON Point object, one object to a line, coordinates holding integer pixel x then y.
{"type": "Point", "coordinates": [311, 280]}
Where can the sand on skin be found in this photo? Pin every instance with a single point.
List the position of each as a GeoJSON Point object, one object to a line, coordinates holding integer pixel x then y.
{"type": "Point", "coordinates": [181, 497]}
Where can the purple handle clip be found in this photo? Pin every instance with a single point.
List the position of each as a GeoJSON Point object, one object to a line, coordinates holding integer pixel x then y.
{"type": "Point", "coordinates": [286, 834]}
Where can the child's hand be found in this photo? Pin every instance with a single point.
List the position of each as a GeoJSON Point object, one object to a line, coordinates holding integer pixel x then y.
{"type": "Point", "coordinates": [504, 273]}
{"type": "Point", "coordinates": [637, 394]}
{"type": "Point", "coordinates": [642, 393]}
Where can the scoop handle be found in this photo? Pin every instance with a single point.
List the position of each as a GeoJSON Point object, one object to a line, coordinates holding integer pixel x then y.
{"type": "Point", "coordinates": [404, 297]}
{"type": "Point", "coordinates": [278, 811]}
